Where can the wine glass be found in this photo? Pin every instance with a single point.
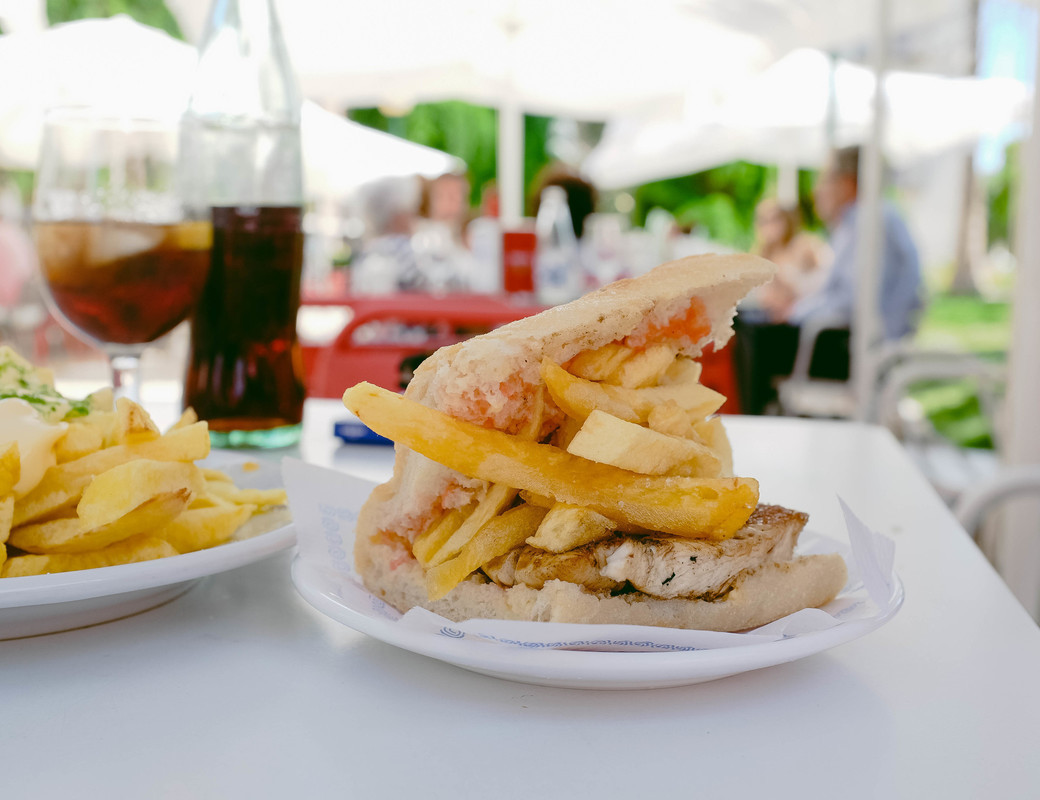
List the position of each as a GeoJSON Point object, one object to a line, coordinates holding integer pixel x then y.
{"type": "Point", "coordinates": [122, 261]}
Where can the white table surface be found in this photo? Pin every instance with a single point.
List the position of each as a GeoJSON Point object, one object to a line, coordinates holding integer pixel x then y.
{"type": "Point", "coordinates": [239, 689]}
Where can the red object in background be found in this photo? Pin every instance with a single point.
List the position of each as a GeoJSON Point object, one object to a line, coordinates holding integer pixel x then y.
{"type": "Point", "coordinates": [448, 319]}
{"type": "Point", "coordinates": [717, 373]}
{"type": "Point", "coordinates": [518, 249]}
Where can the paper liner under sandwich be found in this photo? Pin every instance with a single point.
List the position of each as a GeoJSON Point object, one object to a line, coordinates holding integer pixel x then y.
{"type": "Point", "coordinates": [325, 505]}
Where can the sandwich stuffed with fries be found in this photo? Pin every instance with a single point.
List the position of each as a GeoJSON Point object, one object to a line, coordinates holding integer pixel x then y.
{"type": "Point", "coordinates": [570, 467]}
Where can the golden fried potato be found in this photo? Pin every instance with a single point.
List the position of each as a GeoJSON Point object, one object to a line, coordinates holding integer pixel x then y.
{"type": "Point", "coordinates": [10, 469]}
{"type": "Point", "coordinates": [498, 498]}
{"type": "Point", "coordinates": [82, 437]}
{"type": "Point", "coordinates": [430, 541]}
{"type": "Point", "coordinates": [599, 364]}
{"type": "Point", "coordinates": [566, 527]}
{"type": "Point", "coordinates": [610, 440]}
{"type": "Point", "coordinates": [118, 491]}
{"type": "Point", "coordinates": [6, 517]}
{"type": "Point", "coordinates": [496, 538]}
{"type": "Point", "coordinates": [61, 487]}
{"type": "Point", "coordinates": [712, 508]}
{"type": "Point", "coordinates": [645, 367]}
{"type": "Point", "coordinates": [132, 424]}
{"type": "Point", "coordinates": [73, 535]}
{"type": "Point", "coordinates": [142, 547]}
{"type": "Point", "coordinates": [199, 528]}
{"type": "Point", "coordinates": [578, 397]}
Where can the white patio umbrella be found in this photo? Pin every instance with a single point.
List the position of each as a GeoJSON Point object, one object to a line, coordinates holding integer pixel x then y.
{"type": "Point", "coordinates": [801, 106]}
{"type": "Point", "coordinates": [120, 66]}
{"type": "Point", "coordinates": [583, 59]}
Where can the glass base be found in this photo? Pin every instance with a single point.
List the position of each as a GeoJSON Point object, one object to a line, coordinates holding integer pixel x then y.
{"type": "Point", "coordinates": [284, 436]}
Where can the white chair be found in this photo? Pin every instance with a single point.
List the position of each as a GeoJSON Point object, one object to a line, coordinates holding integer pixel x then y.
{"type": "Point", "coordinates": [973, 505]}
{"type": "Point", "coordinates": [799, 394]}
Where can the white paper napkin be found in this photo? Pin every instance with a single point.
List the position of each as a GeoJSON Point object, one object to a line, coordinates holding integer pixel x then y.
{"type": "Point", "coordinates": [325, 504]}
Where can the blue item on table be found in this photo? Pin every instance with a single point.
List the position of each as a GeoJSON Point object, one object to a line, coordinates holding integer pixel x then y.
{"type": "Point", "coordinates": [353, 431]}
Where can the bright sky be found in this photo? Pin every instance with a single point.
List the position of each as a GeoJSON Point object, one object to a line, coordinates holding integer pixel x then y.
{"type": "Point", "coordinates": [1006, 49]}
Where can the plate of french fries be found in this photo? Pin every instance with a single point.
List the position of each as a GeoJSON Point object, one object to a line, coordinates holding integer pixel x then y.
{"type": "Point", "coordinates": [122, 516]}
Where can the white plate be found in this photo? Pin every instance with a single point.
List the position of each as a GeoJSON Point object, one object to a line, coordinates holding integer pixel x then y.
{"type": "Point", "coordinates": [575, 669]}
{"type": "Point", "coordinates": [62, 601]}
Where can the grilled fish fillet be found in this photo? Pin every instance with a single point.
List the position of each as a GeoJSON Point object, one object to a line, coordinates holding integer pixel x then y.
{"type": "Point", "coordinates": [659, 565]}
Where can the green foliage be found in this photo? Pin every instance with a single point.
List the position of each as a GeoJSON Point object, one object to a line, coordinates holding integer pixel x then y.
{"type": "Point", "coordinates": [720, 201]}
{"type": "Point", "coordinates": [1001, 193]}
{"type": "Point", "coordinates": [464, 130]}
{"type": "Point", "coordinates": [965, 323]}
{"type": "Point", "coordinates": [147, 12]}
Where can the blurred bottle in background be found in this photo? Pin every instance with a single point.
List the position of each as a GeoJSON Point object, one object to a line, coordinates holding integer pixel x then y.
{"type": "Point", "coordinates": [242, 166]}
{"type": "Point", "coordinates": [557, 268]}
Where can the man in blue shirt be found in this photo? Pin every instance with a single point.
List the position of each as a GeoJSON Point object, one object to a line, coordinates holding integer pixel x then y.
{"type": "Point", "coordinates": [764, 352]}
{"type": "Point", "coordinates": [900, 289]}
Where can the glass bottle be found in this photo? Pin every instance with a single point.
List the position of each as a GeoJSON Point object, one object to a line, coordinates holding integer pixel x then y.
{"type": "Point", "coordinates": [242, 166]}
{"type": "Point", "coordinates": [557, 271]}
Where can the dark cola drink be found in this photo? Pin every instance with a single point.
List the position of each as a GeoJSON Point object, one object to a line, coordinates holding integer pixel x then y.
{"type": "Point", "coordinates": [245, 371]}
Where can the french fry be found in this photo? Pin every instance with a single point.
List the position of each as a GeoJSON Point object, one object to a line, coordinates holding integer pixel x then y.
{"type": "Point", "coordinates": [578, 397]}
{"type": "Point", "coordinates": [261, 498]}
{"type": "Point", "coordinates": [10, 469]}
{"type": "Point", "coordinates": [197, 529]}
{"type": "Point", "coordinates": [599, 364]}
{"type": "Point", "coordinates": [82, 437]}
{"type": "Point", "coordinates": [670, 419]}
{"type": "Point", "coordinates": [427, 543]}
{"type": "Point", "coordinates": [609, 440]}
{"type": "Point", "coordinates": [496, 538]}
{"type": "Point", "coordinates": [566, 527]}
{"type": "Point", "coordinates": [73, 535]}
{"type": "Point", "coordinates": [137, 548]}
{"type": "Point", "coordinates": [6, 517]}
{"type": "Point", "coordinates": [62, 486]}
{"type": "Point", "coordinates": [118, 491]}
{"type": "Point", "coordinates": [132, 423]}
{"type": "Point", "coordinates": [188, 417]}
{"type": "Point", "coordinates": [713, 434]}
{"type": "Point", "coordinates": [645, 367]}
{"type": "Point", "coordinates": [497, 499]}
{"type": "Point", "coordinates": [682, 370]}
{"type": "Point", "coordinates": [711, 508]}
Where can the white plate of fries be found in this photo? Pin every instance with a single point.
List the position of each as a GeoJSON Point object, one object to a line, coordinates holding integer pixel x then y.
{"type": "Point", "coordinates": [37, 604]}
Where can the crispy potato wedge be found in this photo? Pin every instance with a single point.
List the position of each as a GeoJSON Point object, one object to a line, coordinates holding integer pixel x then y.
{"type": "Point", "coordinates": [6, 516]}
{"type": "Point", "coordinates": [713, 433]}
{"type": "Point", "coordinates": [132, 424]}
{"type": "Point", "coordinates": [645, 367]}
{"type": "Point", "coordinates": [496, 538]}
{"type": "Point", "coordinates": [118, 491]}
{"type": "Point", "coordinates": [73, 535]}
{"type": "Point", "coordinates": [578, 397]}
{"type": "Point", "coordinates": [497, 499]}
{"type": "Point", "coordinates": [261, 498]}
{"type": "Point", "coordinates": [197, 529]}
{"type": "Point", "coordinates": [188, 417]}
{"type": "Point", "coordinates": [430, 541]}
{"type": "Point", "coordinates": [610, 440]}
{"type": "Point", "coordinates": [711, 508]}
{"type": "Point", "coordinates": [566, 527]}
{"type": "Point", "coordinates": [137, 548]}
{"type": "Point", "coordinates": [681, 370]}
{"type": "Point", "coordinates": [82, 437]}
{"type": "Point", "coordinates": [10, 469]}
{"type": "Point", "coordinates": [62, 486]}
{"type": "Point", "coordinates": [599, 364]}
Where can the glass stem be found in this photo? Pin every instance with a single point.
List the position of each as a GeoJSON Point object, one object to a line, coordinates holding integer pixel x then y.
{"type": "Point", "coordinates": [126, 375]}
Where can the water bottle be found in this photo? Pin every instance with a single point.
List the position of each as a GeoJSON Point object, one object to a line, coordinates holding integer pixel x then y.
{"type": "Point", "coordinates": [557, 267]}
{"type": "Point", "coordinates": [242, 166]}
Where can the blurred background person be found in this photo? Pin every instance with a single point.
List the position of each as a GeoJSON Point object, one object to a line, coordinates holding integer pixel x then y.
{"type": "Point", "coordinates": [582, 196]}
{"type": "Point", "coordinates": [387, 262]}
{"type": "Point", "coordinates": [801, 258]}
{"type": "Point", "coordinates": [445, 202]}
{"type": "Point", "coordinates": [900, 301]}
